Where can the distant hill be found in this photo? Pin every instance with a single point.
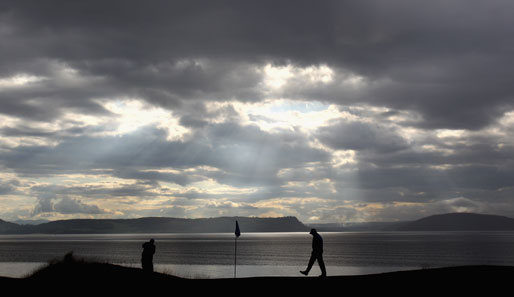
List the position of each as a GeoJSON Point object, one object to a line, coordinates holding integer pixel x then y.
{"type": "Point", "coordinates": [443, 222]}
{"type": "Point", "coordinates": [158, 225]}
{"type": "Point", "coordinates": [460, 222]}
{"type": "Point", "coordinates": [7, 227]}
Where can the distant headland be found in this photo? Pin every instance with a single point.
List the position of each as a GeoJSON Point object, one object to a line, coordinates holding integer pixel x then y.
{"type": "Point", "coordinates": [442, 222]}
{"type": "Point", "coordinates": [157, 225]}
{"type": "Point", "coordinates": [460, 222]}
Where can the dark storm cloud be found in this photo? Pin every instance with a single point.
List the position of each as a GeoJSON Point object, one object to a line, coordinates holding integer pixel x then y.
{"type": "Point", "coordinates": [360, 136]}
{"type": "Point", "coordinates": [39, 132]}
{"type": "Point", "coordinates": [429, 167]}
{"type": "Point", "coordinates": [477, 154]}
{"type": "Point", "coordinates": [472, 162]}
{"type": "Point", "coordinates": [429, 180]}
{"type": "Point", "coordinates": [447, 61]}
{"type": "Point", "coordinates": [139, 31]}
{"type": "Point", "coordinates": [52, 94]}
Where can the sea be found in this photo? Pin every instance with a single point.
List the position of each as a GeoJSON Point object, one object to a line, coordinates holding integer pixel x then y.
{"type": "Point", "coordinates": [221, 255]}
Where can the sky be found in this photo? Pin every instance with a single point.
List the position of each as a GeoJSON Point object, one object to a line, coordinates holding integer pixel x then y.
{"type": "Point", "coordinates": [330, 111]}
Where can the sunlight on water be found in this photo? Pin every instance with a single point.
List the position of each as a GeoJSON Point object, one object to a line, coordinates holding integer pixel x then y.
{"type": "Point", "coordinates": [226, 271]}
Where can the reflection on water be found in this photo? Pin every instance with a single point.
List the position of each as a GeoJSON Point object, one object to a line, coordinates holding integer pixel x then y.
{"type": "Point", "coordinates": [18, 269]}
{"type": "Point", "coordinates": [226, 271]}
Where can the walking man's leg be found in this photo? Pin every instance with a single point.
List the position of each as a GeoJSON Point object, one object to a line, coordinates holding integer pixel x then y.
{"type": "Point", "coordinates": [309, 266]}
{"type": "Point", "coordinates": [322, 265]}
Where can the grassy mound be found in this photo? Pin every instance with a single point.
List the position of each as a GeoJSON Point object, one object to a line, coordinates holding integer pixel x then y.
{"type": "Point", "coordinates": [72, 276]}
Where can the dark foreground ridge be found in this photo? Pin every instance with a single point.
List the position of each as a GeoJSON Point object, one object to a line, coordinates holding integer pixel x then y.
{"type": "Point", "coordinates": [83, 277]}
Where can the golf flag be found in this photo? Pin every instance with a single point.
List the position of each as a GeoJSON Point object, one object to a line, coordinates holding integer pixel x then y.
{"type": "Point", "coordinates": [238, 233]}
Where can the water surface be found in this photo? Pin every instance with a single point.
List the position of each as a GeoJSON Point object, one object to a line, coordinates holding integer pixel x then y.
{"type": "Point", "coordinates": [260, 254]}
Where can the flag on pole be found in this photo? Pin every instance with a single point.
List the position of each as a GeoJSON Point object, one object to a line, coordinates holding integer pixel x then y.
{"type": "Point", "coordinates": [238, 233]}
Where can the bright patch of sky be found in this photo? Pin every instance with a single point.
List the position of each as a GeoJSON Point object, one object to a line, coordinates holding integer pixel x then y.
{"type": "Point", "coordinates": [133, 114]}
{"type": "Point", "coordinates": [276, 77]}
{"type": "Point", "coordinates": [19, 80]}
{"type": "Point", "coordinates": [273, 115]}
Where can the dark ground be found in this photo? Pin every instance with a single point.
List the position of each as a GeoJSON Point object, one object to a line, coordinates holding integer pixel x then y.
{"type": "Point", "coordinates": [77, 277]}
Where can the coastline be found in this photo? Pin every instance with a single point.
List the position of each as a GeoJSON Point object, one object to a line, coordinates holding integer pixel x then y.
{"type": "Point", "coordinates": [195, 271]}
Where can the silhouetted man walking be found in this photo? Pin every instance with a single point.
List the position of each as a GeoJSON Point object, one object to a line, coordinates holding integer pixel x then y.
{"type": "Point", "coordinates": [317, 254]}
{"type": "Point", "coordinates": [147, 256]}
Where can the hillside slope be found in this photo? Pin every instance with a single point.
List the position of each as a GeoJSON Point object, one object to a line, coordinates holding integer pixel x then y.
{"type": "Point", "coordinates": [460, 222]}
